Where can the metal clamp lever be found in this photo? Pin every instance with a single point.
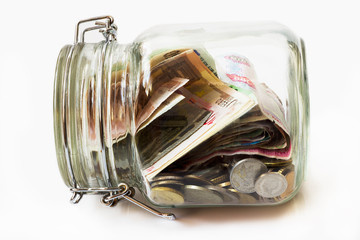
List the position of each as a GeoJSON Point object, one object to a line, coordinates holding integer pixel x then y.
{"type": "Point", "coordinates": [113, 195]}
{"type": "Point", "coordinates": [105, 24]}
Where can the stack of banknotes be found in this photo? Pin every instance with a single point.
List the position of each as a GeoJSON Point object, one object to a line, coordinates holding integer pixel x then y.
{"type": "Point", "coordinates": [195, 113]}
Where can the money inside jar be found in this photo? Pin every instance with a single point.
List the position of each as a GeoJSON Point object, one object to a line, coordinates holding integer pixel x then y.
{"type": "Point", "coordinates": [207, 132]}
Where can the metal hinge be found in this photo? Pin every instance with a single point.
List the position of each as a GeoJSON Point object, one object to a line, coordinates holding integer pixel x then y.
{"type": "Point", "coordinates": [105, 25]}
{"type": "Point", "coordinates": [111, 196]}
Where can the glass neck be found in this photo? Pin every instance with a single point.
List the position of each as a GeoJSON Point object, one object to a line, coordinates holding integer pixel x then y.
{"type": "Point", "coordinates": [92, 115]}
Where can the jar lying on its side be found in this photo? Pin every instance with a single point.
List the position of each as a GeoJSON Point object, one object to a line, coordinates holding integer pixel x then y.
{"type": "Point", "coordinates": [191, 115]}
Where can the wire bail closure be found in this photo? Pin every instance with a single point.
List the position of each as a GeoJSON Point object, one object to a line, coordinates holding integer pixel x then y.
{"type": "Point", "coordinates": [111, 195]}
{"type": "Point", "coordinates": [107, 28]}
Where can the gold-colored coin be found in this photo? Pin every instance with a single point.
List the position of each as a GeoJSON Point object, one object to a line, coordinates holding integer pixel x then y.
{"type": "Point", "coordinates": [195, 180]}
{"type": "Point", "coordinates": [289, 173]}
{"type": "Point", "coordinates": [166, 196]}
{"type": "Point", "coordinates": [283, 170]}
{"type": "Point", "coordinates": [220, 179]}
{"type": "Point", "coordinates": [290, 178]}
{"type": "Point", "coordinates": [274, 163]}
{"type": "Point", "coordinates": [224, 184]}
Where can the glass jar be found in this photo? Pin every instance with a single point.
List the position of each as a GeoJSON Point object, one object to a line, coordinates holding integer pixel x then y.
{"type": "Point", "coordinates": [190, 115]}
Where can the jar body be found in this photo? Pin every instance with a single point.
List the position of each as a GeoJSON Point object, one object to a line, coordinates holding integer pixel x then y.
{"type": "Point", "coordinates": [191, 115]}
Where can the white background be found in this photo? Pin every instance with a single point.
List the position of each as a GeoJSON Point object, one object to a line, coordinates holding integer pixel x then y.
{"type": "Point", "coordinates": [34, 202]}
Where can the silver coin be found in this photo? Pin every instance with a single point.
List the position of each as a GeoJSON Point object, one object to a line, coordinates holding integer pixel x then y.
{"type": "Point", "coordinates": [245, 198]}
{"type": "Point", "coordinates": [244, 174]}
{"type": "Point", "coordinates": [270, 185]}
{"type": "Point", "coordinates": [165, 177]}
{"type": "Point", "coordinates": [167, 183]}
{"type": "Point", "coordinates": [166, 196]}
{"type": "Point", "coordinates": [201, 195]}
{"type": "Point", "coordinates": [229, 197]}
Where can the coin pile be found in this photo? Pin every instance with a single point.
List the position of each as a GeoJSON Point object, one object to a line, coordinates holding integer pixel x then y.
{"type": "Point", "coordinates": [248, 181]}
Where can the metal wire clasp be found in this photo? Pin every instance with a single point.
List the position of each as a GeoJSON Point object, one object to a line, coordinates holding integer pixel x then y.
{"type": "Point", "coordinates": [106, 27]}
{"type": "Point", "coordinates": [113, 195]}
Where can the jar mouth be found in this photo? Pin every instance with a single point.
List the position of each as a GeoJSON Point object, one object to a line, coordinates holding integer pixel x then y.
{"type": "Point", "coordinates": [91, 115]}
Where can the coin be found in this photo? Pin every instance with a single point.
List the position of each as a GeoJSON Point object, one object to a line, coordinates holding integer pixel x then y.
{"type": "Point", "coordinates": [220, 179]}
{"type": "Point", "coordinates": [224, 184]}
{"type": "Point", "coordinates": [283, 170]}
{"type": "Point", "coordinates": [195, 180]}
{"type": "Point", "coordinates": [244, 174]}
{"type": "Point", "coordinates": [273, 162]}
{"type": "Point", "coordinates": [210, 173]}
{"type": "Point", "coordinates": [226, 194]}
{"type": "Point", "coordinates": [270, 185]}
{"type": "Point", "coordinates": [244, 198]}
{"type": "Point", "coordinates": [166, 196]}
{"type": "Point", "coordinates": [167, 183]}
{"type": "Point", "coordinates": [167, 177]}
{"type": "Point", "coordinates": [201, 195]}
{"type": "Point", "coordinates": [290, 178]}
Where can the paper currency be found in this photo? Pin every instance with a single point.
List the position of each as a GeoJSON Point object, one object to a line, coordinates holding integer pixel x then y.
{"type": "Point", "coordinates": [204, 91]}
{"type": "Point", "coordinates": [170, 129]}
{"type": "Point", "coordinates": [238, 72]}
{"type": "Point", "coordinates": [192, 107]}
{"type": "Point", "coordinates": [164, 92]}
{"type": "Point", "coordinates": [261, 131]}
